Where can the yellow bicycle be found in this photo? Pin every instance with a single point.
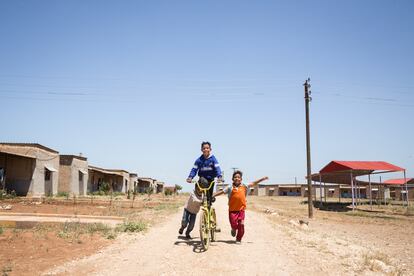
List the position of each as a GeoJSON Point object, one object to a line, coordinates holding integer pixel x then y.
{"type": "Point", "coordinates": [207, 219]}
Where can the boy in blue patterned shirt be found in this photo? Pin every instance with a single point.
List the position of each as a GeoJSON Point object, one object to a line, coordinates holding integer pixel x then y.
{"type": "Point", "coordinates": [208, 168]}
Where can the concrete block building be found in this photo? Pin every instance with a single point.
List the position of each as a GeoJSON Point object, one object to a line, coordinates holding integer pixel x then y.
{"type": "Point", "coordinates": [146, 182]}
{"type": "Point", "coordinates": [73, 174]}
{"type": "Point", "coordinates": [118, 180]}
{"type": "Point", "coordinates": [133, 180]}
{"type": "Point", "coordinates": [30, 169]}
{"type": "Point", "coordinates": [160, 187]}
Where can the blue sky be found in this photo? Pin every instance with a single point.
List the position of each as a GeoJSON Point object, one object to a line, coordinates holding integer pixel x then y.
{"type": "Point", "coordinates": [139, 84]}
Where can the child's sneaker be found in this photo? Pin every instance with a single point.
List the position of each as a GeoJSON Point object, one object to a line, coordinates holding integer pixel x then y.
{"type": "Point", "coordinates": [181, 231]}
{"type": "Point", "coordinates": [233, 232]}
{"type": "Point", "coordinates": [238, 241]}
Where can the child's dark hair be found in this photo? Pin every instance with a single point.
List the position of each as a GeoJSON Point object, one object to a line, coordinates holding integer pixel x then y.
{"type": "Point", "coordinates": [237, 172]}
{"type": "Point", "coordinates": [205, 143]}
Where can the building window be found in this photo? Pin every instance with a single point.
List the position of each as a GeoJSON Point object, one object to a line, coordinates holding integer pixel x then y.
{"type": "Point", "coordinates": [80, 176]}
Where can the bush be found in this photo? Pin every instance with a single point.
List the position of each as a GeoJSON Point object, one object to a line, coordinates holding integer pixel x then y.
{"type": "Point", "coordinates": [178, 188]}
{"type": "Point", "coordinates": [149, 190]}
{"type": "Point", "coordinates": [63, 194]}
{"type": "Point", "coordinates": [105, 188]}
{"type": "Point", "coordinates": [168, 192]}
{"type": "Point", "coordinates": [98, 193]}
{"type": "Point", "coordinates": [1, 230]}
{"type": "Point", "coordinates": [5, 195]}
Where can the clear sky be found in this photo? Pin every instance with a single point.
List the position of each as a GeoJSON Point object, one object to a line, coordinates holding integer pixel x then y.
{"type": "Point", "coordinates": [138, 85]}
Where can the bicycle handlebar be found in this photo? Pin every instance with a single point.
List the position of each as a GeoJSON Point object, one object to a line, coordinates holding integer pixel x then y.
{"type": "Point", "coordinates": [204, 189]}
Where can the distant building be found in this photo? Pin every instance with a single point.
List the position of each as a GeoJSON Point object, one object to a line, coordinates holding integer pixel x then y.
{"type": "Point", "coordinates": [73, 174]}
{"type": "Point", "coordinates": [30, 169]}
{"type": "Point", "coordinates": [118, 180]}
{"type": "Point", "coordinates": [171, 189]}
{"type": "Point", "coordinates": [144, 183]}
{"type": "Point", "coordinates": [221, 186]}
{"type": "Point", "coordinates": [160, 187]}
{"type": "Point", "coordinates": [133, 179]}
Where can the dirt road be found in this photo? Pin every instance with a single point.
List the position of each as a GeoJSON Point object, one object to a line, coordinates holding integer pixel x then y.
{"type": "Point", "coordinates": [267, 249]}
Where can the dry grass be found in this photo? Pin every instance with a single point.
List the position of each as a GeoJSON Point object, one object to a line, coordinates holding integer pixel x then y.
{"type": "Point", "coordinates": [45, 245]}
{"type": "Point", "coordinates": [343, 232]}
{"type": "Point", "coordinates": [379, 262]}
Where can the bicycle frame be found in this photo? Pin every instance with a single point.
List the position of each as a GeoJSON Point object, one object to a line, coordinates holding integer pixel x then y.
{"type": "Point", "coordinates": [206, 218]}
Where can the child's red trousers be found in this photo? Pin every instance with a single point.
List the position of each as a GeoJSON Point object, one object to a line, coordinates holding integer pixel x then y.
{"type": "Point", "coordinates": [237, 223]}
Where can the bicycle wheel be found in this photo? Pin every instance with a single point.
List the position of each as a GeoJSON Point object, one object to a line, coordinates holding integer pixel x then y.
{"type": "Point", "coordinates": [213, 223]}
{"type": "Point", "coordinates": [204, 230]}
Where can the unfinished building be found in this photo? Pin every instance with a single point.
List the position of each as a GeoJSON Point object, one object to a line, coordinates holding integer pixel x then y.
{"type": "Point", "coordinates": [73, 174]}
{"type": "Point", "coordinates": [29, 169]}
{"type": "Point", "coordinates": [115, 180]}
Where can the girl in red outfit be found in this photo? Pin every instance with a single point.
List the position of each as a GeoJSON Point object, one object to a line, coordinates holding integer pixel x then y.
{"type": "Point", "coordinates": [237, 203]}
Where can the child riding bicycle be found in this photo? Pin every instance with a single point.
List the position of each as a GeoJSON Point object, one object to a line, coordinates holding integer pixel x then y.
{"type": "Point", "coordinates": [208, 169]}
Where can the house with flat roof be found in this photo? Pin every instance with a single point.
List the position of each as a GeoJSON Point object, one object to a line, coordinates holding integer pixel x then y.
{"type": "Point", "coordinates": [133, 180]}
{"type": "Point", "coordinates": [118, 180]}
{"type": "Point", "coordinates": [29, 169]}
{"type": "Point", "coordinates": [73, 174]}
{"type": "Point", "coordinates": [144, 183]}
{"type": "Point", "coordinates": [160, 187]}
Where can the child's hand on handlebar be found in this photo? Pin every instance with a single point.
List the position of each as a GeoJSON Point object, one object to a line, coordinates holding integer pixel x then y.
{"type": "Point", "coordinates": [189, 180]}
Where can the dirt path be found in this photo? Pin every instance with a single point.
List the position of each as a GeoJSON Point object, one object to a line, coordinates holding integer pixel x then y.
{"type": "Point", "coordinates": [267, 249]}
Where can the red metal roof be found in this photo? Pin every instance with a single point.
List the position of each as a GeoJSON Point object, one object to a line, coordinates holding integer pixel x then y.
{"type": "Point", "coordinates": [399, 181]}
{"type": "Point", "coordinates": [370, 166]}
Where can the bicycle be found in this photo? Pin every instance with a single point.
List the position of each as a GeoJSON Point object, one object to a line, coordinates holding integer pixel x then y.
{"type": "Point", "coordinates": [207, 219]}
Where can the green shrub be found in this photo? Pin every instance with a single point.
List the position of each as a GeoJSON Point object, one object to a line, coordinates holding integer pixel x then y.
{"type": "Point", "coordinates": [5, 195]}
{"type": "Point", "coordinates": [168, 192]}
{"type": "Point", "coordinates": [1, 230]}
{"type": "Point", "coordinates": [63, 194]}
{"type": "Point", "coordinates": [105, 188]}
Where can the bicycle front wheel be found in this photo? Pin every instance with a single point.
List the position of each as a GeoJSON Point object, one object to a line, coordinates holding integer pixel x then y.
{"type": "Point", "coordinates": [204, 230]}
{"type": "Point", "coordinates": [213, 223]}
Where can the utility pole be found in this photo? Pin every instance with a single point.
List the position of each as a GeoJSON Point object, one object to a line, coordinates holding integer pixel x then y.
{"type": "Point", "coordinates": [308, 153]}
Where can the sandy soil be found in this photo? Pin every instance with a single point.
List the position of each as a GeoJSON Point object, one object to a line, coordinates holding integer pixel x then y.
{"type": "Point", "coordinates": [274, 244]}
{"type": "Point", "coordinates": [32, 251]}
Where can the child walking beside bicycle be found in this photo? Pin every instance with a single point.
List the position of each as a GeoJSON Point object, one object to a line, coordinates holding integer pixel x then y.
{"type": "Point", "coordinates": [237, 203]}
{"type": "Point", "coordinates": [191, 209]}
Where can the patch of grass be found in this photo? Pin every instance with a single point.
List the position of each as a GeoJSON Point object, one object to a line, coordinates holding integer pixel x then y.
{"type": "Point", "coordinates": [111, 236]}
{"type": "Point", "coordinates": [369, 215]}
{"type": "Point", "coordinates": [161, 206]}
{"type": "Point", "coordinates": [41, 230]}
{"type": "Point", "coordinates": [369, 258]}
{"type": "Point", "coordinates": [167, 206]}
{"type": "Point", "coordinates": [6, 269]}
{"type": "Point", "coordinates": [379, 262]}
{"type": "Point", "coordinates": [63, 194]}
{"type": "Point", "coordinates": [410, 210]}
{"type": "Point", "coordinates": [7, 195]}
{"type": "Point", "coordinates": [70, 230]}
{"type": "Point", "coordinates": [1, 230]}
{"type": "Point", "coordinates": [74, 230]}
{"type": "Point", "coordinates": [133, 227]}
{"type": "Point", "coordinates": [98, 228]}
